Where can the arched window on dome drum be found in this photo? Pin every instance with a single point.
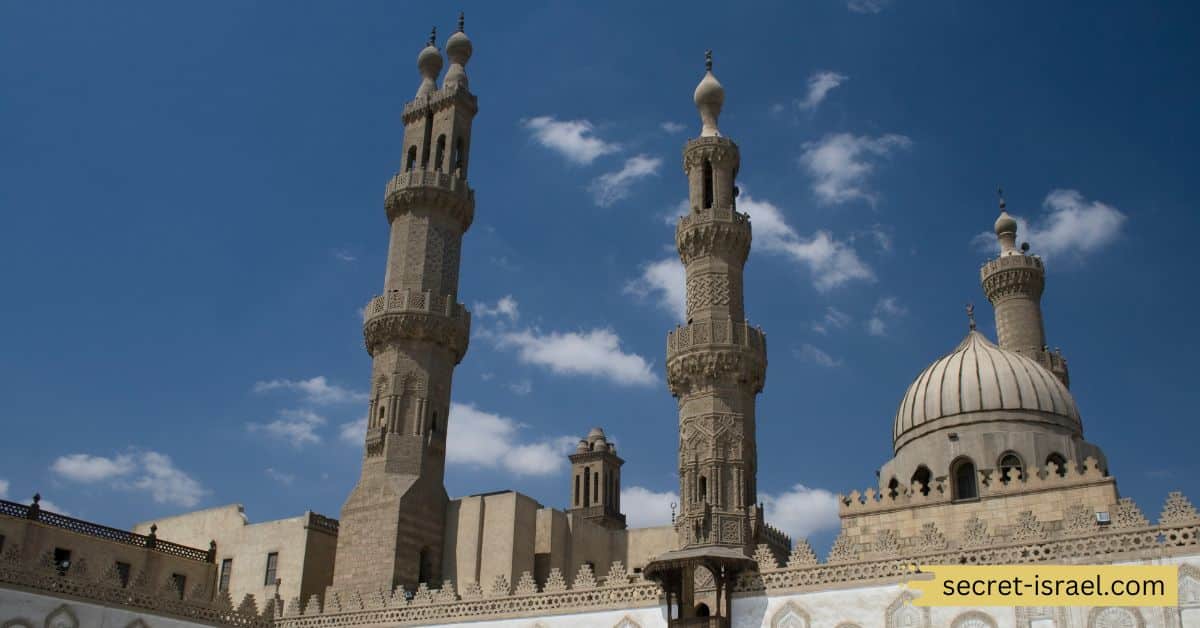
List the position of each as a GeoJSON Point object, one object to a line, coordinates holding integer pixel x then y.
{"type": "Point", "coordinates": [1011, 467]}
{"type": "Point", "coordinates": [1059, 464]}
{"type": "Point", "coordinates": [440, 156]}
{"type": "Point", "coordinates": [893, 488]}
{"type": "Point", "coordinates": [921, 477]}
{"type": "Point", "coordinates": [411, 162]}
{"type": "Point", "coordinates": [965, 486]}
{"type": "Point", "coordinates": [708, 184]}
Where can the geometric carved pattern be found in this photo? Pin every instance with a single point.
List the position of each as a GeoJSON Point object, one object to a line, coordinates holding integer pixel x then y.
{"type": "Point", "coordinates": [707, 291]}
{"type": "Point", "coordinates": [1079, 519]}
{"type": "Point", "coordinates": [791, 616]}
{"type": "Point", "coordinates": [973, 619]}
{"type": "Point", "coordinates": [902, 614]}
{"type": "Point", "coordinates": [1028, 528]}
{"type": "Point", "coordinates": [1128, 515]}
{"type": "Point", "coordinates": [1114, 617]}
{"type": "Point", "coordinates": [975, 532]}
{"type": "Point", "coordinates": [1178, 510]}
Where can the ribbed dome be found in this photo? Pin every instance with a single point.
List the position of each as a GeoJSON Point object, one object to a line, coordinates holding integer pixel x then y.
{"type": "Point", "coordinates": [978, 376]}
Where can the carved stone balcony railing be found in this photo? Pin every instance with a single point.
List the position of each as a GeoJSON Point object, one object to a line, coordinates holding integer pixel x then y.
{"type": "Point", "coordinates": [79, 526]}
{"type": "Point", "coordinates": [712, 214]}
{"type": "Point", "coordinates": [431, 190]}
{"type": "Point", "coordinates": [705, 352]}
{"type": "Point", "coordinates": [417, 315]}
{"type": "Point", "coordinates": [428, 178]}
{"type": "Point", "coordinates": [714, 335]}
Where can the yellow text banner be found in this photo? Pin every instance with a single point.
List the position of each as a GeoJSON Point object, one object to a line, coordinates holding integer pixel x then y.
{"type": "Point", "coordinates": [1046, 585]}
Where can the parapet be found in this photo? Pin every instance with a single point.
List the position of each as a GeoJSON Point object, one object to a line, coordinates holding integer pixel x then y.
{"type": "Point", "coordinates": [438, 100]}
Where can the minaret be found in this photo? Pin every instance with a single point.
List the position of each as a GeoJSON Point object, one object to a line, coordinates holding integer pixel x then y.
{"type": "Point", "coordinates": [416, 332]}
{"type": "Point", "coordinates": [596, 481]}
{"type": "Point", "coordinates": [1014, 282]}
{"type": "Point", "coordinates": [717, 361]}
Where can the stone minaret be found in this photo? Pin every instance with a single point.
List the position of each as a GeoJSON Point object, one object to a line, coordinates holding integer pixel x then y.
{"type": "Point", "coordinates": [717, 361]}
{"type": "Point", "coordinates": [596, 481]}
{"type": "Point", "coordinates": [392, 525]}
{"type": "Point", "coordinates": [1014, 282]}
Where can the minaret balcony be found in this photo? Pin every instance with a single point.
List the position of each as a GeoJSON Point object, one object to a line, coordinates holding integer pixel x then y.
{"type": "Point", "coordinates": [431, 190]}
{"type": "Point", "coordinates": [428, 179]}
{"type": "Point", "coordinates": [1011, 262]}
{"type": "Point", "coordinates": [416, 315]}
{"type": "Point", "coordinates": [704, 352]}
{"type": "Point", "coordinates": [438, 100]}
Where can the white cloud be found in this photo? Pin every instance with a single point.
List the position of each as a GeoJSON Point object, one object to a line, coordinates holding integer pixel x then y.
{"type": "Point", "coordinates": [671, 216]}
{"type": "Point", "coordinates": [801, 511]}
{"type": "Point", "coordinates": [596, 352]}
{"type": "Point", "coordinates": [1071, 226]}
{"type": "Point", "coordinates": [819, 86]}
{"type": "Point", "coordinates": [3, 489]}
{"type": "Point", "coordinates": [148, 471]}
{"type": "Point", "coordinates": [841, 164]}
{"type": "Point", "coordinates": [572, 139]}
{"type": "Point", "coordinates": [297, 427]}
{"type": "Point", "coordinates": [521, 388]}
{"type": "Point", "coordinates": [833, 319]}
{"type": "Point", "coordinates": [506, 307]}
{"type": "Point", "coordinates": [611, 187]}
{"type": "Point", "coordinates": [665, 281]}
{"type": "Point", "coordinates": [672, 127]}
{"type": "Point", "coordinates": [315, 390]}
{"type": "Point", "coordinates": [279, 476]}
{"type": "Point", "coordinates": [343, 255]}
{"type": "Point", "coordinates": [867, 6]}
{"type": "Point", "coordinates": [90, 469]}
{"type": "Point", "coordinates": [490, 441]}
{"type": "Point", "coordinates": [352, 432]}
{"type": "Point", "coordinates": [886, 309]}
{"type": "Point", "coordinates": [487, 376]}
{"type": "Point", "coordinates": [812, 354]}
{"type": "Point", "coordinates": [832, 262]}
{"type": "Point", "coordinates": [644, 508]}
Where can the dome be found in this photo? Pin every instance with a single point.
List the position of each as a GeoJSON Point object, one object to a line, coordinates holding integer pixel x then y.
{"type": "Point", "coordinates": [979, 377]}
{"type": "Point", "coordinates": [429, 61]}
{"type": "Point", "coordinates": [1005, 223]}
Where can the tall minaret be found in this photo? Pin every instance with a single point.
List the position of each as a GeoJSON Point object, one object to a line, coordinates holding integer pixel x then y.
{"type": "Point", "coordinates": [393, 523]}
{"type": "Point", "coordinates": [1014, 282]}
{"type": "Point", "coordinates": [716, 362]}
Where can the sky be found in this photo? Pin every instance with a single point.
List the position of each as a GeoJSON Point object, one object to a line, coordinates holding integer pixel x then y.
{"type": "Point", "coordinates": [192, 215]}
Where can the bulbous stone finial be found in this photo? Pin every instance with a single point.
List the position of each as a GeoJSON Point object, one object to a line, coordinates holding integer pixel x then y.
{"type": "Point", "coordinates": [458, 50]}
{"type": "Point", "coordinates": [971, 316]}
{"type": "Point", "coordinates": [1005, 227]}
{"type": "Point", "coordinates": [429, 62]}
{"type": "Point", "coordinates": [709, 97]}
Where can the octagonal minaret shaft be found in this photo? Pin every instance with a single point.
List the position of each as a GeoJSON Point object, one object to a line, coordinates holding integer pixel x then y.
{"type": "Point", "coordinates": [717, 361]}
{"type": "Point", "coordinates": [1014, 283]}
{"type": "Point", "coordinates": [392, 524]}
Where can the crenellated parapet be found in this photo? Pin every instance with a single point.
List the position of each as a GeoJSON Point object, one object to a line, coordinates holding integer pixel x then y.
{"type": "Point", "coordinates": [440, 100]}
{"type": "Point", "coordinates": [705, 353]}
{"type": "Point", "coordinates": [723, 233]}
{"type": "Point", "coordinates": [430, 190]}
{"type": "Point", "coordinates": [414, 315]}
{"type": "Point", "coordinates": [1013, 276]}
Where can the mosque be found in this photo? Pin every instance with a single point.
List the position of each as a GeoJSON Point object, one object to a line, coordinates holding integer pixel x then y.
{"type": "Point", "coordinates": [989, 466]}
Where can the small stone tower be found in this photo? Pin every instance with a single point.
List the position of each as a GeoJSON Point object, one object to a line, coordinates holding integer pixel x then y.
{"type": "Point", "coordinates": [596, 481]}
{"type": "Point", "coordinates": [1014, 282]}
{"type": "Point", "coordinates": [416, 332]}
{"type": "Point", "coordinates": [717, 361]}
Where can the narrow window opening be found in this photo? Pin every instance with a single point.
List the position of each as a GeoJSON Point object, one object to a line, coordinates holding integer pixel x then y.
{"type": "Point", "coordinates": [576, 489]}
{"type": "Point", "coordinates": [587, 484]}
{"type": "Point", "coordinates": [433, 426]}
{"type": "Point", "coordinates": [964, 480]}
{"type": "Point", "coordinates": [703, 489]}
{"type": "Point", "coordinates": [412, 159]}
{"type": "Point", "coordinates": [596, 486]}
{"type": "Point", "coordinates": [428, 140]}
{"type": "Point", "coordinates": [178, 582]}
{"type": "Point", "coordinates": [921, 478]}
{"type": "Point", "coordinates": [893, 488]}
{"type": "Point", "coordinates": [702, 610]}
{"type": "Point", "coordinates": [1059, 464]}
{"type": "Point", "coordinates": [62, 560]}
{"type": "Point", "coordinates": [425, 565]}
{"type": "Point", "coordinates": [708, 184]}
{"type": "Point", "coordinates": [272, 568]}
{"type": "Point", "coordinates": [226, 571]}
{"type": "Point", "coordinates": [441, 153]}
{"type": "Point", "coordinates": [123, 570]}
{"type": "Point", "coordinates": [1011, 468]}
{"type": "Point", "coordinates": [458, 157]}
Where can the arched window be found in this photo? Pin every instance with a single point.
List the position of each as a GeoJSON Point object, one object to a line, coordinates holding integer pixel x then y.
{"type": "Point", "coordinates": [708, 184]}
{"type": "Point", "coordinates": [412, 159]}
{"type": "Point", "coordinates": [433, 424]}
{"type": "Point", "coordinates": [596, 486]}
{"type": "Point", "coordinates": [425, 565]}
{"type": "Point", "coordinates": [702, 610]}
{"type": "Point", "coordinates": [441, 153]}
{"type": "Point", "coordinates": [576, 489]}
{"type": "Point", "coordinates": [921, 477]}
{"type": "Point", "coordinates": [428, 141]}
{"type": "Point", "coordinates": [587, 487]}
{"type": "Point", "coordinates": [458, 157]}
{"type": "Point", "coordinates": [703, 489]}
{"type": "Point", "coordinates": [963, 472]}
{"type": "Point", "coordinates": [1058, 462]}
{"type": "Point", "coordinates": [893, 488]}
{"type": "Point", "coordinates": [1011, 467]}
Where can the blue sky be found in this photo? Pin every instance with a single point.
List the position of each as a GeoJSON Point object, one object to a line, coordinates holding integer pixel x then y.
{"type": "Point", "coordinates": [192, 218]}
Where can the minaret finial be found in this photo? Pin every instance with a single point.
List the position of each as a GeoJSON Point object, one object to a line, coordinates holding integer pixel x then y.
{"type": "Point", "coordinates": [1000, 193]}
{"type": "Point", "coordinates": [433, 36]}
{"type": "Point", "coordinates": [971, 315]}
{"type": "Point", "coordinates": [708, 60]}
{"type": "Point", "coordinates": [462, 18]}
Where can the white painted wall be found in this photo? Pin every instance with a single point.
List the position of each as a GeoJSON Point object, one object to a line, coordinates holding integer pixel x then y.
{"type": "Point", "coordinates": [37, 609]}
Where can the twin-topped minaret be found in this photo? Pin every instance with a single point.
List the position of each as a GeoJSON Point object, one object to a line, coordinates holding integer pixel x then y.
{"type": "Point", "coordinates": [1014, 282]}
{"type": "Point", "coordinates": [393, 523]}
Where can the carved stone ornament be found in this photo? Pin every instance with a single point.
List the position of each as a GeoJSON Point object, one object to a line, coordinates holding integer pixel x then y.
{"type": "Point", "coordinates": [451, 333]}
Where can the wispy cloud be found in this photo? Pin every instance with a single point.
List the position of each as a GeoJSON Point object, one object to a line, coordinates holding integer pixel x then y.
{"type": "Point", "coordinates": [297, 427]}
{"type": "Point", "coordinates": [809, 353]}
{"type": "Point", "coordinates": [353, 432]}
{"type": "Point", "coordinates": [886, 309]}
{"type": "Point", "coordinates": [645, 508]}
{"type": "Point", "coordinates": [1071, 226]}
{"type": "Point", "coordinates": [343, 255]}
{"type": "Point", "coordinates": [315, 390]}
{"type": "Point", "coordinates": [833, 319]}
{"type": "Point", "coordinates": [573, 139]}
{"type": "Point", "coordinates": [486, 440]}
{"type": "Point", "coordinates": [665, 282]}
{"type": "Point", "coordinates": [506, 307]}
{"type": "Point", "coordinates": [832, 262]}
{"type": "Point", "coordinates": [521, 387]}
{"type": "Point", "coordinates": [595, 353]}
{"type": "Point", "coordinates": [840, 164]}
{"type": "Point", "coordinates": [285, 479]}
{"type": "Point", "coordinates": [801, 511]}
{"type": "Point", "coordinates": [147, 471]}
{"type": "Point", "coordinates": [672, 127]}
{"type": "Point", "coordinates": [611, 187]}
{"type": "Point", "coordinates": [867, 6]}
{"type": "Point", "coordinates": [819, 86]}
